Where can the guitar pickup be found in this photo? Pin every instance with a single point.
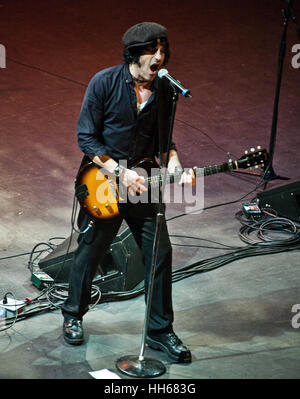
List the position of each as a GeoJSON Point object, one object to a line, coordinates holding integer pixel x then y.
{"type": "Point", "coordinates": [81, 192]}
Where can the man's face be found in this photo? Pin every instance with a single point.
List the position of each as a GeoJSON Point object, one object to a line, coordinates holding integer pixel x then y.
{"type": "Point", "coordinates": [150, 61]}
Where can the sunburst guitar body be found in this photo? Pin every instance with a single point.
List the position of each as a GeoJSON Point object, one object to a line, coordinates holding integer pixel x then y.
{"type": "Point", "coordinates": [98, 193]}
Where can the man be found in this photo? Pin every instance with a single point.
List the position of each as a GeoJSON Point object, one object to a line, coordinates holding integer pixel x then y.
{"type": "Point", "coordinates": [124, 110]}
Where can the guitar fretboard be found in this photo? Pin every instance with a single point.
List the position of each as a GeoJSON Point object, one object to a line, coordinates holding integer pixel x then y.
{"type": "Point", "coordinates": [154, 181]}
{"type": "Point", "coordinates": [212, 169]}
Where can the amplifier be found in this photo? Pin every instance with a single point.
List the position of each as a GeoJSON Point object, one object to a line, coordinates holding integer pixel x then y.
{"type": "Point", "coordinates": [285, 200]}
{"type": "Point", "coordinates": [121, 269]}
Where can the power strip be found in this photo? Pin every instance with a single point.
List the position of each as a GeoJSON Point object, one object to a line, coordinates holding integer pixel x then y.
{"type": "Point", "coordinates": [13, 306]}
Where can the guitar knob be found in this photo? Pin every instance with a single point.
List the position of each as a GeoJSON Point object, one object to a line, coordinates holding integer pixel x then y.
{"type": "Point", "coordinates": [259, 147]}
{"type": "Point", "coordinates": [246, 152]}
{"type": "Point", "coordinates": [252, 149]}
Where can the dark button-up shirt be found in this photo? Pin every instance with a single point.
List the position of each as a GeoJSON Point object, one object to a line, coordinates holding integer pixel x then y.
{"type": "Point", "coordinates": [110, 124]}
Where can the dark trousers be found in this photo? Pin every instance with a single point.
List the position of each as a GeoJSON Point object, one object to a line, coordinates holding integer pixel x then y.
{"type": "Point", "coordinates": [141, 219]}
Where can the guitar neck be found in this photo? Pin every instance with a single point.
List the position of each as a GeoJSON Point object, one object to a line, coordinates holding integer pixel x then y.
{"type": "Point", "coordinates": [154, 181]}
{"type": "Point", "coordinates": [220, 168]}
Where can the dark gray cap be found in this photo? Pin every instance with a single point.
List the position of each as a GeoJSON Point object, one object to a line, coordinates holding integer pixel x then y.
{"type": "Point", "coordinates": [143, 34]}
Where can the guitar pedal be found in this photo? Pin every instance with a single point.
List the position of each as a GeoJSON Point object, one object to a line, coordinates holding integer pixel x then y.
{"type": "Point", "coordinates": [251, 210]}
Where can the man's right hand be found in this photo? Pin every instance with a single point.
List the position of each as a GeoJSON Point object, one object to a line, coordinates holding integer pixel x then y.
{"type": "Point", "coordinates": [133, 182]}
{"type": "Point", "coordinates": [129, 177]}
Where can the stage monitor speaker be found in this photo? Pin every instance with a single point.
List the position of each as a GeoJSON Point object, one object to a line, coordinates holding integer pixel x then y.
{"type": "Point", "coordinates": [121, 269]}
{"type": "Point", "coordinates": [285, 200]}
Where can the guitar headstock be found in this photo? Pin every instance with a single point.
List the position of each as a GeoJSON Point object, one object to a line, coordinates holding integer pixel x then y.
{"type": "Point", "coordinates": [255, 157]}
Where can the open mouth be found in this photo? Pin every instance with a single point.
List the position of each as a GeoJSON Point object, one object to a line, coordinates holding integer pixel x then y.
{"type": "Point", "coordinates": [154, 67]}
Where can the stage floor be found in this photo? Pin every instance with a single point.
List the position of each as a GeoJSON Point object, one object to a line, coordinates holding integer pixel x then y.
{"type": "Point", "coordinates": [240, 318]}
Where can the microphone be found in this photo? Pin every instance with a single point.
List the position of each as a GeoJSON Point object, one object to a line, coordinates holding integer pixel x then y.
{"type": "Point", "coordinates": [163, 73]}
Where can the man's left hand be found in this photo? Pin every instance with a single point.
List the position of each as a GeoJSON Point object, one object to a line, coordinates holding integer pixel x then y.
{"type": "Point", "coordinates": [188, 178]}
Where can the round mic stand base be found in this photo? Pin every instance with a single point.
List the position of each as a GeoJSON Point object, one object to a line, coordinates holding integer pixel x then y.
{"type": "Point", "coordinates": [133, 366]}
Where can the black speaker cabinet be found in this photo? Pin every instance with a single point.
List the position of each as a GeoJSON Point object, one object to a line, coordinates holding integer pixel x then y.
{"type": "Point", "coordinates": [285, 200]}
{"type": "Point", "coordinates": [121, 270]}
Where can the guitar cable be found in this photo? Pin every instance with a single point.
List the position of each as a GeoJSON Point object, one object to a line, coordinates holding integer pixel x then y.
{"type": "Point", "coordinates": [54, 294]}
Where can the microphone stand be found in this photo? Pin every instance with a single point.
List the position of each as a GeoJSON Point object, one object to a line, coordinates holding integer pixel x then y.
{"type": "Point", "coordinates": [269, 173]}
{"type": "Point", "coordinates": [141, 366]}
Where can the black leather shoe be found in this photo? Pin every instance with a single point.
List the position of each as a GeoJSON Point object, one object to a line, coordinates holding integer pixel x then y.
{"type": "Point", "coordinates": [73, 331]}
{"type": "Point", "coordinates": [171, 345]}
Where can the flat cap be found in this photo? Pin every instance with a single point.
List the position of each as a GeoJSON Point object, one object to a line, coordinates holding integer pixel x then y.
{"type": "Point", "coordinates": [143, 33]}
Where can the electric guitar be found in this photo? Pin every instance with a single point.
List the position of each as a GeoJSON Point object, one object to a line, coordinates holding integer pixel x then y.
{"type": "Point", "coordinates": [99, 194]}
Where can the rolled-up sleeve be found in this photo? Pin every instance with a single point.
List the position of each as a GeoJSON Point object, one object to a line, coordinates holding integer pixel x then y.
{"type": "Point", "coordinates": [90, 121]}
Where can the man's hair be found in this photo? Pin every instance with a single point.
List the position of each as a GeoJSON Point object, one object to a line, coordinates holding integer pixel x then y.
{"type": "Point", "coordinates": [132, 54]}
